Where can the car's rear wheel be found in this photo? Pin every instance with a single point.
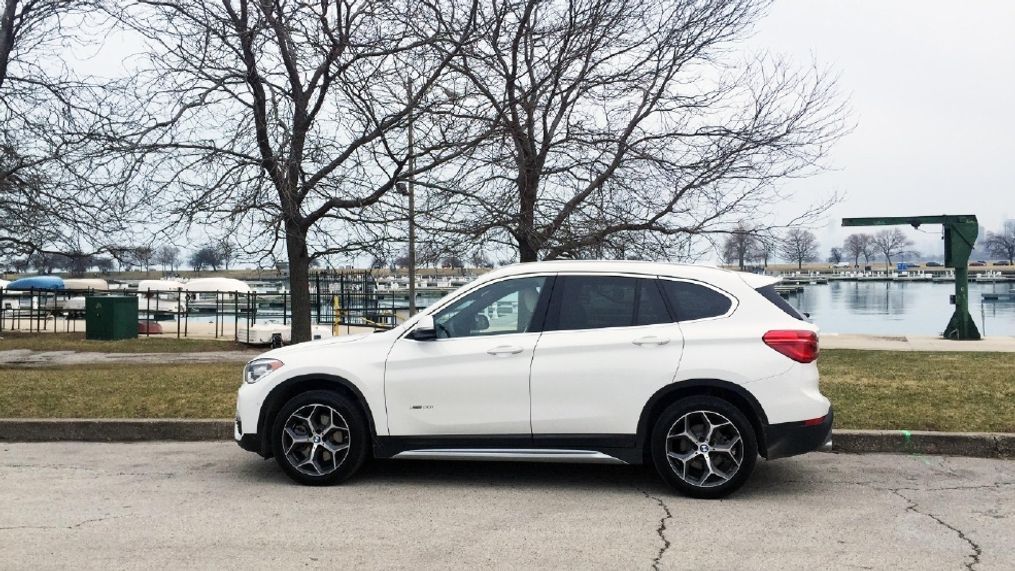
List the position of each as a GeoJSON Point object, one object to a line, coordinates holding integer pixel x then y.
{"type": "Point", "coordinates": [319, 438]}
{"type": "Point", "coordinates": [704, 447]}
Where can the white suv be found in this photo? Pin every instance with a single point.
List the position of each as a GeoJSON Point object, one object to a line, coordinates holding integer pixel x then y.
{"type": "Point", "coordinates": [694, 369]}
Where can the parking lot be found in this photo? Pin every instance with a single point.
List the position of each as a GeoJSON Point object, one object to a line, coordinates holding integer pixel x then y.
{"type": "Point", "coordinates": [211, 505]}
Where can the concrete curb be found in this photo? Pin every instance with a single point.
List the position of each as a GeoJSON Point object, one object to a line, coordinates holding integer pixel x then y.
{"type": "Point", "coordinates": [974, 444]}
{"type": "Point", "coordinates": [112, 430]}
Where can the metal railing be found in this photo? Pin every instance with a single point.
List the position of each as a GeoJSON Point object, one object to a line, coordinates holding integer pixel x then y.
{"type": "Point", "coordinates": [190, 312]}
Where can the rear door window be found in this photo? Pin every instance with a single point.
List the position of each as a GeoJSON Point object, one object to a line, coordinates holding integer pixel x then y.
{"type": "Point", "coordinates": [596, 302]}
{"type": "Point", "coordinates": [692, 301]}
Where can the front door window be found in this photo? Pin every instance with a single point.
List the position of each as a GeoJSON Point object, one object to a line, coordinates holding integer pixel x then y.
{"type": "Point", "coordinates": [499, 308]}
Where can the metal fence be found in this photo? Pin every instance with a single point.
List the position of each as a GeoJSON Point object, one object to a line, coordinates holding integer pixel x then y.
{"type": "Point", "coordinates": [204, 313]}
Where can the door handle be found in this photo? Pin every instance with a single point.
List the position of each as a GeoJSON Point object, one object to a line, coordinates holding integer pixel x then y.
{"type": "Point", "coordinates": [504, 350]}
{"type": "Point", "coordinates": [651, 340]}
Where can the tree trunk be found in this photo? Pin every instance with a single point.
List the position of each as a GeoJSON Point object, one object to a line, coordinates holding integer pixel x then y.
{"type": "Point", "coordinates": [526, 253]}
{"type": "Point", "coordinates": [299, 281]}
{"type": "Point", "coordinates": [528, 186]}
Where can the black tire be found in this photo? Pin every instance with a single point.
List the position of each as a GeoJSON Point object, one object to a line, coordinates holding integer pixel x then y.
{"type": "Point", "coordinates": [701, 478]}
{"type": "Point", "coordinates": [319, 405]}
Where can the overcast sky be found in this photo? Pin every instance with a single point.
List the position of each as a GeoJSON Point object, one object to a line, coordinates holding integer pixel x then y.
{"type": "Point", "coordinates": [931, 85]}
{"type": "Point", "coordinates": [932, 88]}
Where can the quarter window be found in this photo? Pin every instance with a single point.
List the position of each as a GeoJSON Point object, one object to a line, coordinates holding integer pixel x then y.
{"type": "Point", "coordinates": [693, 301]}
{"type": "Point", "coordinates": [595, 302]}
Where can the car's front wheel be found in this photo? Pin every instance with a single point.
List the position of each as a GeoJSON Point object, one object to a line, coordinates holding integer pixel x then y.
{"type": "Point", "coordinates": [319, 438]}
{"type": "Point", "coordinates": [704, 447]}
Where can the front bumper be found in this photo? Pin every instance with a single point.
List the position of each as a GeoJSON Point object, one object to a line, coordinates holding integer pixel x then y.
{"type": "Point", "coordinates": [793, 438]}
{"type": "Point", "coordinates": [250, 442]}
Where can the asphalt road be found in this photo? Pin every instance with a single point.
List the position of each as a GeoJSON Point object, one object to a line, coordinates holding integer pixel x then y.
{"type": "Point", "coordinates": [205, 505]}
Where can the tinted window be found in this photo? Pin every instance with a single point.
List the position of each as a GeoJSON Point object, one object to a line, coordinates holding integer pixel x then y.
{"type": "Point", "coordinates": [503, 307]}
{"type": "Point", "coordinates": [693, 301]}
{"type": "Point", "coordinates": [651, 308]}
{"type": "Point", "coordinates": [594, 302]}
{"type": "Point", "coordinates": [769, 293]}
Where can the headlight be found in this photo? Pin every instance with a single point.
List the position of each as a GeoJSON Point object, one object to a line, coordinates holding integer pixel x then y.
{"type": "Point", "coordinates": [259, 368]}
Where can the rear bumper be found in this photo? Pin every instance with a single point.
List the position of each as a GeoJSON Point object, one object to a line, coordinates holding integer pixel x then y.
{"type": "Point", "coordinates": [793, 438]}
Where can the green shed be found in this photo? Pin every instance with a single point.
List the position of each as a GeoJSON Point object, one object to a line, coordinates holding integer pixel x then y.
{"type": "Point", "coordinates": [111, 317]}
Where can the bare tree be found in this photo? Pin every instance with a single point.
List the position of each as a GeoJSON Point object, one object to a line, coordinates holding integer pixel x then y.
{"type": "Point", "coordinates": [144, 256]}
{"type": "Point", "coordinates": [765, 248]}
{"type": "Point", "coordinates": [799, 245]}
{"type": "Point", "coordinates": [621, 122]}
{"type": "Point", "coordinates": [378, 263]}
{"type": "Point", "coordinates": [58, 193]}
{"type": "Point", "coordinates": [168, 257]}
{"type": "Point", "coordinates": [890, 243]}
{"type": "Point", "coordinates": [1002, 244]}
{"type": "Point", "coordinates": [858, 244]}
{"type": "Point", "coordinates": [835, 255]}
{"type": "Point", "coordinates": [44, 262]}
{"type": "Point", "coordinates": [480, 260]}
{"type": "Point", "coordinates": [298, 114]}
{"type": "Point", "coordinates": [104, 264]}
{"type": "Point", "coordinates": [869, 249]}
{"type": "Point", "coordinates": [226, 251]}
{"type": "Point", "coordinates": [206, 257]}
{"type": "Point", "coordinates": [739, 246]}
{"type": "Point", "coordinates": [429, 253]}
{"type": "Point", "coordinates": [453, 262]}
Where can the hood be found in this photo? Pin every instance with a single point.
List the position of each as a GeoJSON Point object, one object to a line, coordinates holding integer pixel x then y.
{"type": "Point", "coordinates": [310, 346]}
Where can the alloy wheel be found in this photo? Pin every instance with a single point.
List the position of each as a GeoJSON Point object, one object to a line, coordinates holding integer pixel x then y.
{"type": "Point", "coordinates": [315, 439]}
{"type": "Point", "coordinates": [704, 448]}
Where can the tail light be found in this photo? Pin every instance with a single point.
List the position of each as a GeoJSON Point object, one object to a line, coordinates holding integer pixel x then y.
{"type": "Point", "coordinates": [801, 346]}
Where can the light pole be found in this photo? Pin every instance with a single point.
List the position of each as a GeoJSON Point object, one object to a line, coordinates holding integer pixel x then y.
{"type": "Point", "coordinates": [409, 189]}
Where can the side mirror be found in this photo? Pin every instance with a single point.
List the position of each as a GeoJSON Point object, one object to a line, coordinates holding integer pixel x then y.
{"type": "Point", "coordinates": [425, 329]}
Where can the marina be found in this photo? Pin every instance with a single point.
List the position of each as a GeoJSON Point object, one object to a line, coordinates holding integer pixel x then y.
{"type": "Point", "coordinates": [875, 302]}
{"type": "Point", "coordinates": [903, 308]}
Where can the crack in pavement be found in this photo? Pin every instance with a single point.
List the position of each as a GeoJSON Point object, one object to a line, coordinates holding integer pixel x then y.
{"type": "Point", "coordinates": [875, 486]}
{"type": "Point", "coordinates": [72, 526]}
{"type": "Point", "coordinates": [974, 557]}
{"type": "Point", "coordinates": [977, 551]}
{"type": "Point", "coordinates": [660, 529]}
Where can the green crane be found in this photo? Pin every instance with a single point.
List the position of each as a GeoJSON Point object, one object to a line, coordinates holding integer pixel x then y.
{"type": "Point", "coordinates": [960, 235]}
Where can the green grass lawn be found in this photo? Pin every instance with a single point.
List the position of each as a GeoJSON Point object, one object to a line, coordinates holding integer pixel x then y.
{"type": "Point", "coordinates": [964, 392]}
{"type": "Point", "coordinates": [77, 342]}
{"type": "Point", "coordinates": [969, 392]}
{"type": "Point", "coordinates": [196, 390]}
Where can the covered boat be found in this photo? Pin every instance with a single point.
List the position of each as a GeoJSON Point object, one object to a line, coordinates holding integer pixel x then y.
{"type": "Point", "coordinates": [36, 282]}
{"type": "Point", "coordinates": [83, 284]}
{"type": "Point", "coordinates": [161, 297]}
{"type": "Point", "coordinates": [209, 294]}
{"type": "Point", "coordinates": [158, 285]}
{"type": "Point", "coordinates": [217, 285]}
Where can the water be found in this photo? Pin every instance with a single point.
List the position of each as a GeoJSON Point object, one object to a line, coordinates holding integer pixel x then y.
{"type": "Point", "coordinates": [900, 308]}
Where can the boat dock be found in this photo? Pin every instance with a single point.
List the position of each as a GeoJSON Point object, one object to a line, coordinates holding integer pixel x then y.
{"type": "Point", "coordinates": [999, 296]}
